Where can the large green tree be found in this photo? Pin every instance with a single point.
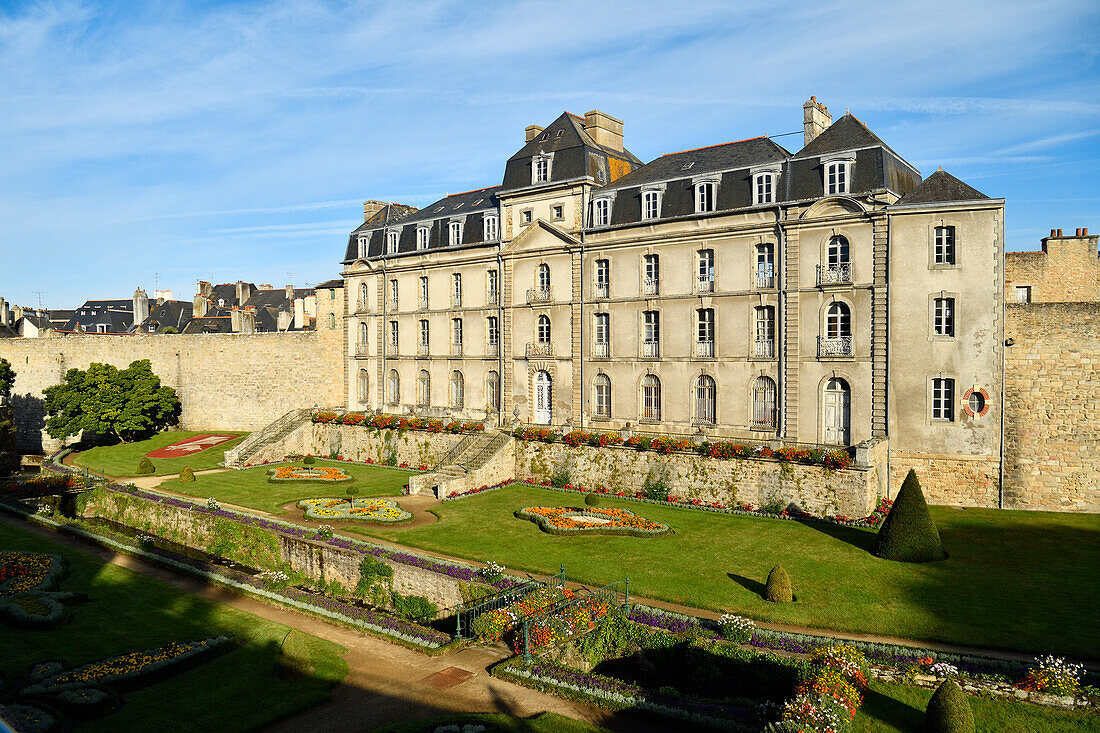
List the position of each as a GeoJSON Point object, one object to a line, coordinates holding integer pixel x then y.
{"type": "Point", "coordinates": [9, 454]}
{"type": "Point", "coordinates": [7, 378]}
{"type": "Point", "coordinates": [128, 404]}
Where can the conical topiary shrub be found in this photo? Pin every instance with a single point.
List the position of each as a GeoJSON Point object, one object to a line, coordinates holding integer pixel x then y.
{"type": "Point", "coordinates": [187, 476]}
{"type": "Point", "coordinates": [146, 467]}
{"type": "Point", "coordinates": [909, 534]}
{"type": "Point", "coordinates": [778, 587]}
{"type": "Point", "coordinates": [948, 710]}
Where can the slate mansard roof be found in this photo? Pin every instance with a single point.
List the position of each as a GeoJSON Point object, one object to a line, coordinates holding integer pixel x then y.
{"type": "Point", "coordinates": [941, 187]}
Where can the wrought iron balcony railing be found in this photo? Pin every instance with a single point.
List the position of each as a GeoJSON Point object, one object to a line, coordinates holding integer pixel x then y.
{"type": "Point", "coordinates": [834, 274]}
{"type": "Point", "coordinates": [539, 349]}
{"type": "Point", "coordinates": [539, 295]}
{"type": "Point", "coordinates": [835, 346]}
{"type": "Point", "coordinates": [763, 348]}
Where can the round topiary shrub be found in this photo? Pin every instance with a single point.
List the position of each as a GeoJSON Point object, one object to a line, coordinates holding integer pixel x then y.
{"type": "Point", "coordinates": [146, 467]}
{"type": "Point", "coordinates": [352, 490]}
{"type": "Point", "coordinates": [948, 710]}
{"type": "Point", "coordinates": [309, 460]}
{"type": "Point", "coordinates": [908, 533]}
{"type": "Point", "coordinates": [187, 476]}
{"type": "Point", "coordinates": [591, 500]}
{"type": "Point", "coordinates": [778, 587]}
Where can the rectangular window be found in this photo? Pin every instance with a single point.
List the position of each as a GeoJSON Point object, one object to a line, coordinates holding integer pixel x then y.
{"type": "Point", "coordinates": [603, 397]}
{"type": "Point", "coordinates": [945, 246]}
{"type": "Point", "coordinates": [542, 170]}
{"type": "Point", "coordinates": [602, 335]}
{"type": "Point", "coordinates": [765, 266]}
{"type": "Point", "coordinates": [494, 331]}
{"type": "Point", "coordinates": [424, 333]}
{"type": "Point", "coordinates": [456, 233]}
{"type": "Point", "coordinates": [651, 283]}
{"type": "Point", "coordinates": [764, 188]}
{"type": "Point", "coordinates": [706, 270]}
{"type": "Point", "coordinates": [393, 336]}
{"type": "Point", "coordinates": [601, 212]}
{"type": "Point", "coordinates": [603, 278]}
{"type": "Point", "coordinates": [651, 334]}
{"type": "Point", "coordinates": [651, 204]}
{"type": "Point", "coordinates": [704, 196]}
{"type": "Point", "coordinates": [456, 289]}
{"type": "Point", "coordinates": [493, 286]}
{"type": "Point", "coordinates": [943, 399]}
{"type": "Point", "coordinates": [557, 212]}
{"type": "Point", "coordinates": [423, 292]}
{"type": "Point", "coordinates": [391, 242]}
{"type": "Point", "coordinates": [943, 317]}
{"type": "Point", "coordinates": [525, 216]}
{"type": "Point", "coordinates": [1023, 293]}
{"type": "Point", "coordinates": [491, 232]}
{"type": "Point", "coordinates": [393, 294]}
{"type": "Point", "coordinates": [422, 237]}
{"type": "Point", "coordinates": [456, 331]}
{"type": "Point", "coordinates": [836, 177]}
{"type": "Point", "coordinates": [362, 253]}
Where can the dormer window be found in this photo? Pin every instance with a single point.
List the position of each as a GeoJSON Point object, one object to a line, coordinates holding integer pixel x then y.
{"type": "Point", "coordinates": [651, 205]}
{"type": "Point", "coordinates": [492, 228]}
{"type": "Point", "coordinates": [704, 196]}
{"type": "Point", "coordinates": [601, 212]}
{"type": "Point", "coordinates": [455, 229]}
{"type": "Point", "coordinates": [422, 237]}
{"type": "Point", "coordinates": [763, 188]}
{"type": "Point", "coordinates": [391, 243]}
{"type": "Point", "coordinates": [687, 166]}
{"type": "Point", "coordinates": [540, 169]}
{"type": "Point", "coordinates": [838, 176]}
{"type": "Point", "coordinates": [362, 246]}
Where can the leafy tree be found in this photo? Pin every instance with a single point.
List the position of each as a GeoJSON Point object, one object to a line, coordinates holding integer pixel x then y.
{"type": "Point", "coordinates": [9, 454]}
{"type": "Point", "coordinates": [908, 533]}
{"type": "Point", "coordinates": [127, 404]}
{"type": "Point", "coordinates": [948, 710]}
{"type": "Point", "coordinates": [7, 378]}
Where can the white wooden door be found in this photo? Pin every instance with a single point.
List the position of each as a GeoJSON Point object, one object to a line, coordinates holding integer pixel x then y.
{"type": "Point", "coordinates": [837, 409]}
{"type": "Point", "coordinates": [543, 396]}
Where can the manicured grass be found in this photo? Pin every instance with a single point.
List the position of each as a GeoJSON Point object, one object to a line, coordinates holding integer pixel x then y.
{"type": "Point", "coordinates": [497, 723]}
{"type": "Point", "coordinates": [1013, 579]}
{"type": "Point", "coordinates": [126, 612]}
{"type": "Point", "coordinates": [900, 709]}
{"type": "Point", "coordinates": [121, 460]}
{"type": "Point", "coordinates": [250, 488]}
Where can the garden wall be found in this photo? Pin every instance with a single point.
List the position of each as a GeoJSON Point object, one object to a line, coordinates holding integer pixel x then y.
{"type": "Point", "coordinates": [227, 381]}
{"type": "Point", "coordinates": [258, 547]}
{"type": "Point", "coordinates": [416, 447]}
{"type": "Point", "coordinates": [851, 492]}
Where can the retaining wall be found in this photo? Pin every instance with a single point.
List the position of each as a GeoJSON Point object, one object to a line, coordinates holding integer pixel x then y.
{"type": "Point", "coordinates": [417, 447]}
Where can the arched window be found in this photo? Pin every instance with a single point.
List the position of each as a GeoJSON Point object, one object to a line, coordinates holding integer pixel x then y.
{"type": "Point", "coordinates": [424, 388]}
{"type": "Point", "coordinates": [706, 399]}
{"type": "Point", "coordinates": [364, 329]}
{"type": "Point", "coordinates": [393, 387]}
{"type": "Point", "coordinates": [544, 398]}
{"type": "Point", "coordinates": [651, 397]}
{"type": "Point", "coordinates": [838, 321]}
{"type": "Point", "coordinates": [364, 385]}
{"type": "Point", "coordinates": [457, 390]}
{"type": "Point", "coordinates": [332, 320]}
{"type": "Point", "coordinates": [602, 385]}
{"type": "Point", "coordinates": [763, 404]}
{"type": "Point", "coordinates": [544, 329]}
{"type": "Point", "coordinates": [836, 411]}
{"type": "Point", "coordinates": [544, 277]}
{"type": "Point", "coordinates": [838, 251]}
{"type": "Point", "coordinates": [492, 391]}
{"type": "Point", "coordinates": [363, 297]}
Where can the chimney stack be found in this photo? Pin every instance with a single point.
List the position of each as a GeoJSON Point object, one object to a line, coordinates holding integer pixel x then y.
{"type": "Point", "coordinates": [141, 306]}
{"type": "Point", "coordinates": [299, 313]}
{"type": "Point", "coordinates": [815, 119]}
{"type": "Point", "coordinates": [604, 129]}
{"type": "Point", "coordinates": [244, 292]}
{"type": "Point", "coordinates": [205, 289]}
{"type": "Point", "coordinates": [3, 312]}
{"type": "Point", "coordinates": [370, 208]}
{"type": "Point", "coordinates": [242, 320]}
{"type": "Point", "coordinates": [290, 292]}
{"type": "Point", "coordinates": [531, 132]}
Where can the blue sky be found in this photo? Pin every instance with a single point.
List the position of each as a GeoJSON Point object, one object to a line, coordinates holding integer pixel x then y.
{"type": "Point", "coordinates": [238, 140]}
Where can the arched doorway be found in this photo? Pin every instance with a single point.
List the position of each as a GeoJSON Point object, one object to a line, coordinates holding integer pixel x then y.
{"type": "Point", "coordinates": [543, 398]}
{"type": "Point", "coordinates": [837, 410]}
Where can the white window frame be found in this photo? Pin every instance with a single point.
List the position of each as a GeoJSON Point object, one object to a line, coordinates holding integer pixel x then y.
{"type": "Point", "coordinates": [422, 237]}
{"type": "Point", "coordinates": [763, 187]}
{"type": "Point", "coordinates": [543, 329]}
{"type": "Point", "coordinates": [492, 285]}
{"type": "Point", "coordinates": [393, 387]}
{"type": "Point", "coordinates": [943, 245]}
{"type": "Point", "coordinates": [705, 260]}
{"type": "Point", "coordinates": [425, 332]}
{"type": "Point", "coordinates": [943, 317]}
{"type": "Point", "coordinates": [601, 212]}
{"type": "Point", "coordinates": [651, 397]}
{"type": "Point", "coordinates": [492, 329]}
{"type": "Point", "coordinates": [943, 399]}
{"type": "Point", "coordinates": [456, 288]}
{"type": "Point", "coordinates": [706, 400]}
{"type": "Point", "coordinates": [454, 233]}
{"type": "Point", "coordinates": [393, 239]}
{"type": "Point", "coordinates": [542, 277]}
{"type": "Point", "coordinates": [602, 269]}
{"type": "Point", "coordinates": [706, 195]}
{"type": "Point", "coordinates": [651, 200]}
{"type": "Point", "coordinates": [362, 250]}
{"type": "Point", "coordinates": [456, 332]}
{"type": "Point", "coordinates": [541, 169]}
{"type": "Point", "coordinates": [491, 228]}
{"type": "Point", "coordinates": [601, 388]}
{"type": "Point", "coordinates": [458, 390]}
{"type": "Point", "coordinates": [837, 175]}
{"type": "Point", "coordinates": [395, 335]}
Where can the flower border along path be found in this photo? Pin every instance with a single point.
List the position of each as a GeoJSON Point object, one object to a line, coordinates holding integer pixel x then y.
{"type": "Point", "coordinates": [322, 475]}
{"type": "Point", "coordinates": [560, 520]}
{"type": "Point", "coordinates": [370, 510]}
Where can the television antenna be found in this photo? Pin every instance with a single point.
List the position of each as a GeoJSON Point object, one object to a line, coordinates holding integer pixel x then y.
{"type": "Point", "coordinates": [39, 293]}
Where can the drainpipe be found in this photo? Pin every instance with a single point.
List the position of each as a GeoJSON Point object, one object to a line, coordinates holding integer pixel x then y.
{"type": "Point", "coordinates": [889, 437]}
{"type": "Point", "coordinates": [500, 315]}
{"type": "Point", "coordinates": [385, 282]}
{"type": "Point", "coordinates": [781, 325]}
{"type": "Point", "coordinates": [580, 356]}
{"type": "Point", "coordinates": [1001, 448]}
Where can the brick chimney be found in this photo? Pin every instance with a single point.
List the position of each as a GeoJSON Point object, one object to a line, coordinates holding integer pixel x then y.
{"type": "Point", "coordinates": [141, 306]}
{"type": "Point", "coordinates": [604, 129]}
{"type": "Point", "coordinates": [531, 132]}
{"type": "Point", "coordinates": [816, 119]}
{"type": "Point", "coordinates": [205, 289]}
{"type": "Point", "coordinates": [370, 208]}
{"type": "Point", "coordinates": [242, 320]}
{"type": "Point", "coordinates": [290, 292]}
{"type": "Point", "coordinates": [244, 292]}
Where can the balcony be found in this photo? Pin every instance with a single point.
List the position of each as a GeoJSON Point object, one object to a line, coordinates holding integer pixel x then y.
{"type": "Point", "coordinates": [392, 305]}
{"type": "Point", "coordinates": [765, 279]}
{"type": "Point", "coordinates": [362, 350]}
{"type": "Point", "coordinates": [492, 349]}
{"type": "Point", "coordinates": [456, 300]}
{"type": "Point", "coordinates": [704, 285]}
{"type": "Point", "coordinates": [763, 348]}
{"type": "Point", "coordinates": [834, 274]}
{"type": "Point", "coordinates": [492, 297]}
{"type": "Point", "coordinates": [651, 286]}
{"type": "Point", "coordinates": [422, 302]}
{"type": "Point", "coordinates": [456, 349]}
{"type": "Point", "coordinates": [539, 295]}
{"type": "Point", "coordinates": [539, 349]}
{"type": "Point", "coordinates": [362, 305]}
{"type": "Point", "coordinates": [603, 290]}
{"type": "Point", "coordinates": [423, 350]}
{"type": "Point", "coordinates": [763, 419]}
{"type": "Point", "coordinates": [834, 346]}
{"type": "Point", "coordinates": [601, 350]}
{"type": "Point", "coordinates": [651, 350]}
{"type": "Point", "coordinates": [704, 349]}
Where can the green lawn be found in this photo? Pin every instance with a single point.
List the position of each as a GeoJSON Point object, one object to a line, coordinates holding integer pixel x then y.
{"type": "Point", "coordinates": [250, 487]}
{"type": "Point", "coordinates": [121, 460]}
{"type": "Point", "coordinates": [126, 611]}
{"type": "Point", "coordinates": [900, 709]}
{"type": "Point", "coordinates": [497, 723]}
{"type": "Point", "coordinates": [1014, 579]}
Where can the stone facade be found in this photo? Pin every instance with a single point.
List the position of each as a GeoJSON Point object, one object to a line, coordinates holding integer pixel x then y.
{"type": "Point", "coordinates": [1052, 395]}
{"type": "Point", "coordinates": [950, 478]}
{"type": "Point", "coordinates": [415, 447]}
{"type": "Point", "coordinates": [1066, 270]}
{"type": "Point", "coordinates": [224, 381]}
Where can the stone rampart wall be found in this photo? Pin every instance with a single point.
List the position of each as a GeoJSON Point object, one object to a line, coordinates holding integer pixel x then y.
{"type": "Point", "coordinates": [852, 491]}
{"type": "Point", "coordinates": [1052, 407]}
{"type": "Point", "coordinates": [225, 381]}
{"type": "Point", "coordinates": [417, 447]}
{"type": "Point", "coordinates": [953, 480]}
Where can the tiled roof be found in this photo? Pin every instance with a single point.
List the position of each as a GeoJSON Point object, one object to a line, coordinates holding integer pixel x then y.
{"type": "Point", "coordinates": [939, 187]}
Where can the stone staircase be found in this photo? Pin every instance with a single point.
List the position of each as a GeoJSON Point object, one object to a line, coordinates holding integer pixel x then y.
{"type": "Point", "coordinates": [469, 464]}
{"type": "Point", "coordinates": [274, 432]}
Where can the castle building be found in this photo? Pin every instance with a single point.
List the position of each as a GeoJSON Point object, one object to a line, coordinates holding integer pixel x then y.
{"type": "Point", "coordinates": [737, 291]}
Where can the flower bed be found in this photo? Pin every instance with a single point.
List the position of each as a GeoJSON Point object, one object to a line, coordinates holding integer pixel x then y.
{"type": "Point", "coordinates": [323, 475]}
{"type": "Point", "coordinates": [396, 422]}
{"type": "Point", "coordinates": [493, 625]}
{"type": "Point", "coordinates": [370, 510]}
{"type": "Point", "coordinates": [828, 697]}
{"type": "Point", "coordinates": [560, 625]}
{"type": "Point", "coordinates": [564, 520]}
{"type": "Point", "coordinates": [26, 598]}
{"type": "Point", "coordinates": [833, 459]}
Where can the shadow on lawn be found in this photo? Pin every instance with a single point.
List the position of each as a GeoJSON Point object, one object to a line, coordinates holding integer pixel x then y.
{"type": "Point", "coordinates": [892, 713]}
{"type": "Point", "coordinates": [752, 586]}
{"type": "Point", "coordinates": [862, 539]}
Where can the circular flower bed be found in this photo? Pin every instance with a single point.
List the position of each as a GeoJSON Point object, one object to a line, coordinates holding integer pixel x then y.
{"type": "Point", "coordinates": [567, 520]}
{"type": "Point", "coordinates": [370, 510]}
{"type": "Point", "coordinates": [324, 475]}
